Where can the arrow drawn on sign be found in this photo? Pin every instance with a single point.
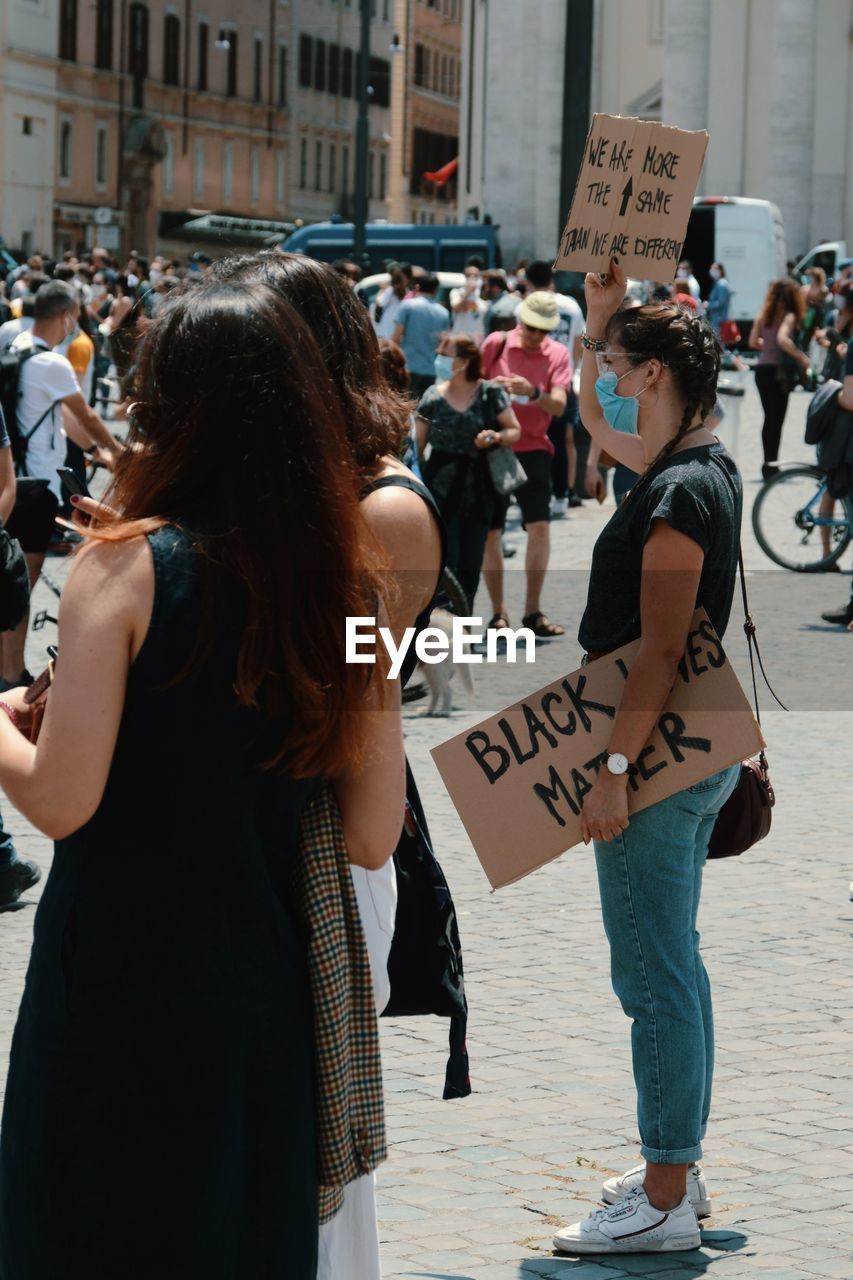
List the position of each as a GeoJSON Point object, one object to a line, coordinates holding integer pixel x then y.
{"type": "Point", "coordinates": [627, 192]}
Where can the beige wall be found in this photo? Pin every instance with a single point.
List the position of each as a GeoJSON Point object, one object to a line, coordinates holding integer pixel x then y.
{"type": "Point", "coordinates": [771, 80]}
{"type": "Point", "coordinates": [27, 121]}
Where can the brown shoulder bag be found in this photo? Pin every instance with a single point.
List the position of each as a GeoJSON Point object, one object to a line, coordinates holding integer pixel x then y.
{"type": "Point", "coordinates": [746, 816]}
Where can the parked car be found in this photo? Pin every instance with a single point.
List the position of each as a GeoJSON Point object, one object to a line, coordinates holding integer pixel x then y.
{"type": "Point", "coordinates": [371, 285]}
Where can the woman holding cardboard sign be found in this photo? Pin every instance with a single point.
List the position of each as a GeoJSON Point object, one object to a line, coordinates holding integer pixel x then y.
{"type": "Point", "coordinates": [648, 383]}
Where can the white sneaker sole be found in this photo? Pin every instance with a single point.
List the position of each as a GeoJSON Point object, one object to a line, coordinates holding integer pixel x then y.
{"type": "Point", "coordinates": [673, 1244]}
{"type": "Point", "coordinates": [702, 1207]}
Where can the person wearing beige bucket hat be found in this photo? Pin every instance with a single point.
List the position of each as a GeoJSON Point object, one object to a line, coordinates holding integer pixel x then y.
{"type": "Point", "coordinates": [536, 371]}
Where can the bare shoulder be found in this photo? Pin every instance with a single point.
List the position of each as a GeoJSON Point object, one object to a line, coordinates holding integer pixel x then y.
{"type": "Point", "coordinates": [111, 582]}
{"type": "Point", "coordinates": [402, 521]}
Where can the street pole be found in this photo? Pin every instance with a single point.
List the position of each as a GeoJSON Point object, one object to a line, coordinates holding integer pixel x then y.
{"type": "Point", "coordinates": [359, 239]}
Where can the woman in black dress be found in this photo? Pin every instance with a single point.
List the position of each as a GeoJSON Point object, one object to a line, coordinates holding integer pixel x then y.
{"type": "Point", "coordinates": [158, 1114]}
{"type": "Point", "coordinates": [461, 417]}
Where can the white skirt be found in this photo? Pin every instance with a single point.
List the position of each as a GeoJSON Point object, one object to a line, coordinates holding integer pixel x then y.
{"type": "Point", "coordinates": [349, 1244]}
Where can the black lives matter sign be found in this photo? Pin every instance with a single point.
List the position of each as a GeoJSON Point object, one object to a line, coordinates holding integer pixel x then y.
{"type": "Point", "coordinates": [518, 780]}
{"type": "Point", "coordinates": [633, 198]}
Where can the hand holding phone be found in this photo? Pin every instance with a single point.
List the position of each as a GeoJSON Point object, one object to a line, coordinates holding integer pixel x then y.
{"type": "Point", "coordinates": [71, 482]}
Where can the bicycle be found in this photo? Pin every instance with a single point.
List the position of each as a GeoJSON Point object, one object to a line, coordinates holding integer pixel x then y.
{"type": "Point", "coordinates": [791, 523]}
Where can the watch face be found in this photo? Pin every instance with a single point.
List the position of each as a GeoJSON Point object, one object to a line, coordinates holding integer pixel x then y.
{"type": "Point", "coordinates": [617, 763]}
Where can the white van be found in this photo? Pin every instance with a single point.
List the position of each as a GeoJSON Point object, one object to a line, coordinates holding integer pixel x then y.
{"type": "Point", "coordinates": [748, 238]}
{"type": "Point", "coordinates": [827, 255]}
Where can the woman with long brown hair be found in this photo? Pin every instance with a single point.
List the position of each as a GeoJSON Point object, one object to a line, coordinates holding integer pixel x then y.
{"type": "Point", "coordinates": [158, 1114]}
{"type": "Point", "coordinates": [403, 516]}
{"type": "Point", "coordinates": [774, 335]}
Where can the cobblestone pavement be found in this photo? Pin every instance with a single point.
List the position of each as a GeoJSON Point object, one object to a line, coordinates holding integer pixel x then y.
{"type": "Point", "coordinates": [474, 1188]}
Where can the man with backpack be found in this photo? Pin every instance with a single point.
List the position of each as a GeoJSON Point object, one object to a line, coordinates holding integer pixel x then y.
{"type": "Point", "coordinates": [16, 874]}
{"type": "Point", "coordinates": [41, 398]}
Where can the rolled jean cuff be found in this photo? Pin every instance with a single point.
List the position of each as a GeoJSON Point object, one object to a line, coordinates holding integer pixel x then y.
{"type": "Point", "coordinates": [684, 1155]}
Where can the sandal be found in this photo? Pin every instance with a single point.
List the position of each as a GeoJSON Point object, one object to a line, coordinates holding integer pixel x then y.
{"type": "Point", "coordinates": [497, 620]}
{"type": "Point", "coordinates": [541, 626]}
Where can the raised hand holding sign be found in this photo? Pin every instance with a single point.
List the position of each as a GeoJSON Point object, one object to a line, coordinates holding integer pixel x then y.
{"type": "Point", "coordinates": [633, 197]}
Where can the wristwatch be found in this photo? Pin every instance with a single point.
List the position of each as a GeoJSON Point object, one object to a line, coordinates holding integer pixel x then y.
{"type": "Point", "coordinates": [537, 391]}
{"type": "Point", "coordinates": [617, 763]}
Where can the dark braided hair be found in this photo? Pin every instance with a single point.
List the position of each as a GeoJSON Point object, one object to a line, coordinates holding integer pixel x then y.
{"type": "Point", "coordinates": [685, 343]}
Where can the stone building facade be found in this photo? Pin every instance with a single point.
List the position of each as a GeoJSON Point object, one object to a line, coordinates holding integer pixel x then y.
{"type": "Point", "coordinates": [771, 80]}
{"type": "Point", "coordinates": [159, 124]}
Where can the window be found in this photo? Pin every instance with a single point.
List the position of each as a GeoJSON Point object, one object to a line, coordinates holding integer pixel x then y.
{"type": "Point", "coordinates": [383, 175]}
{"type": "Point", "coordinates": [169, 166]}
{"type": "Point", "coordinates": [203, 43]}
{"type": "Point", "coordinates": [320, 65]}
{"type": "Point", "coordinates": [138, 50]}
{"type": "Point", "coordinates": [65, 151]}
{"type": "Point", "coordinates": [380, 82]}
{"type": "Point", "coordinates": [420, 64]}
{"type": "Point", "coordinates": [198, 168]}
{"type": "Point", "coordinates": [345, 170]}
{"type": "Point", "coordinates": [255, 175]}
{"type": "Point", "coordinates": [231, 75]}
{"type": "Point", "coordinates": [334, 68]}
{"type": "Point", "coordinates": [68, 30]}
{"type": "Point", "coordinates": [104, 35]}
{"type": "Point", "coordinates": [27, 126]}
{"type": "Point", "coordinates": [258, 70]}
{"type": "Point", "coordinates": [318, 166]}
{"type": "Point", "coordinates": [333, 161]}
{"type": "Point", "coordinates": [227, 170]}
{"type": "Point", "coordinates": [281, 99]}
{"type": "Point", "coordinates": [280, 178]}
{"type": "Point", "coordinates": [346, 75]}
{"type": "Point", "coordinates": [171, 50]}
{"type": "Point", "coordinates": [306, 59]}
{"type": "Point", "coordinates": [370, 175]}
{"type": "Point", "coordinates": [102, 133]}
{"type": "Point", "coordinates": [303, 163]}
{"type": "Point", "coordinates": [385, 10]}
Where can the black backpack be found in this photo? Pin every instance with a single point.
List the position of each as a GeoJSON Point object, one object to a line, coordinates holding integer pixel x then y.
{"type": "Point", "coordinates": [11, 363]}
{"type": "Point", "coordinates": [822, 411]}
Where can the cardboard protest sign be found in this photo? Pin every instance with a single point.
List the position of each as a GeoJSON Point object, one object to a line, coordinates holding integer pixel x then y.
{"type": "Point", "coordinates": [633, 198]}
{"type": "Point", "coordinates": [518, 779]}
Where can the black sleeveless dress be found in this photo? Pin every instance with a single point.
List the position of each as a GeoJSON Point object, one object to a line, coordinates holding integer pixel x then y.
{"type": "Point", "coordinates": [422, 620]}
{"type": "Point", "coordinates": [158, 1121]}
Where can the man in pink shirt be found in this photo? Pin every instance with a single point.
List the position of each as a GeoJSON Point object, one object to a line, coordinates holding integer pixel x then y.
{"type": "Point", "coordinates": [536, 372]}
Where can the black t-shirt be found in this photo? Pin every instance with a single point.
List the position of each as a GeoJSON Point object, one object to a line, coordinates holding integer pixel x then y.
{"type": "Point", "coordinates": [848, 360]}
{"type": "Point", "coordinates": [697, 491]}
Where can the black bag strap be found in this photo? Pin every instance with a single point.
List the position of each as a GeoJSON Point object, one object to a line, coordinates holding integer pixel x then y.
{"type": "Point", "coordinates": [752, 643]}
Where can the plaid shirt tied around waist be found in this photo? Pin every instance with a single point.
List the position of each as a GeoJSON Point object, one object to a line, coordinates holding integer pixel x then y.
{"type": "Point", "coordinates": [350, 1113]}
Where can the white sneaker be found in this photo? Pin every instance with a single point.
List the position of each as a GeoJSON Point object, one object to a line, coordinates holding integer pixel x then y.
{"type": "Point", "coordinates": [616, 1189]}
{"type": "Point", "coordinates": [559, 507]}
{"type": "Point", "coordinates": [632, 1226]}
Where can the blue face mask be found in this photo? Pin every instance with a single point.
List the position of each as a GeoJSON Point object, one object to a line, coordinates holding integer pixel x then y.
{"type": "Point", "coordinates": [621, 412]}
{"type": "Point", "coordinates": [444, 368]}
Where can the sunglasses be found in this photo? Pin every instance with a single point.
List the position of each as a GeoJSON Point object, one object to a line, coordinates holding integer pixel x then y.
{"type": "Point", "coordinates": [604, 359]}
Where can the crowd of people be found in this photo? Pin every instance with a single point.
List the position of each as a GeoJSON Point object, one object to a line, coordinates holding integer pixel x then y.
{"type": "Point", "coordinates": [163, 1088]}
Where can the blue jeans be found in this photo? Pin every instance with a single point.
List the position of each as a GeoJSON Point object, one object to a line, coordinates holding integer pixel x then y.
{"type": "Point", "coordinates": [650, 881]}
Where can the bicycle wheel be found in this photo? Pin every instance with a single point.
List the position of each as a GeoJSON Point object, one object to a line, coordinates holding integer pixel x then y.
{"type": "Point", "coordinates": [788, 525]}
{"type": "Point", "coordinates": [450, 595]}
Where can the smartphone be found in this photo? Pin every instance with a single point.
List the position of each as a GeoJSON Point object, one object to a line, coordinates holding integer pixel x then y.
{"type": "Point", "coordinates": [72, 483]}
